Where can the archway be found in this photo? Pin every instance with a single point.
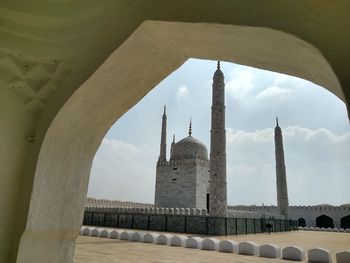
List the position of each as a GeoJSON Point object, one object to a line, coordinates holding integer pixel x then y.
{"type": "Point", "coordinates": [301, 222]}
{"type": "Point", "coordinates": [71, 141]}
{"type": "Point", "coordinates": [345, 222]}
{"type": "Point", "coordinates": [324, 221]}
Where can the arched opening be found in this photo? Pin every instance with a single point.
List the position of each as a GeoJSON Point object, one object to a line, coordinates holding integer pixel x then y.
{"type": "Point", "coordinates": [324, 221]}
{"type": "Point", "coordinates": [71, 141]}
{"type": "Point", "coordinates": [345, 222]}
{"type": "Point", "coordinates": [301, 222]}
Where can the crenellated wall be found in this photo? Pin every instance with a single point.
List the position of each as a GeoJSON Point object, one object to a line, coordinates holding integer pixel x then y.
{"type": "Point", "coordinates": [309, 213]}
{"type": "Point", "coordinates": [92, 202]}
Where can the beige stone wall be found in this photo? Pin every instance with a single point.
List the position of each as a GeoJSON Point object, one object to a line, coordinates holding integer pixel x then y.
{"type": "Point", "coordinates": [182, 183]}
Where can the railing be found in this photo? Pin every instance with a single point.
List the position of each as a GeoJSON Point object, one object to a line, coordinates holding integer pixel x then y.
{"type": "Point", "coordinates": [195, 224]}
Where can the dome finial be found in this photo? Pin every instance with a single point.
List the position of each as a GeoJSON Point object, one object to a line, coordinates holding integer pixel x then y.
{"type": "Point", "coordinates": [174, 138]}
{"type": "Point", "coordinates": [218, 64]}
{"type": "Point", "coordinates": [276, 121]}
{"type": "Point", "coordinates": [164, 109]}
{"type": "Point", "coordinates": [190, 128]}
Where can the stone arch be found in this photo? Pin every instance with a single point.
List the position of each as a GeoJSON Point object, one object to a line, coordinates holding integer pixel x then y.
{"type": "Point", "coordinates": [324, 221]}
{"type": "Point", "coordinates": [345, 222]}
{"type": "Point", "coordinates": [301, 222]}
{"type": "Point", "coordinates": [71, 140]}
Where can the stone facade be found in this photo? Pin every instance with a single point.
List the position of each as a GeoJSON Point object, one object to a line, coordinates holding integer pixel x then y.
{"type": "Point", "coordinates": [188, 177]}
{"type": "Point", "coordinates": [281, 180]}
{"type": "Point", "coordinates": [182, 183]}
{"type": "Point", "coordinates": [218, 184]}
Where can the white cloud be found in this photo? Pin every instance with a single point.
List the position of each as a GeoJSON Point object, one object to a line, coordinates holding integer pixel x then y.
{"type": "Point", "coordinates": [315, 160]}
{"type": "Point", "coordinates": [240, 83]}
{"type": "Point", "coordinates": [123, 171]}
{"type": "Point", "coordinates": [273, 92]}
{"type": "Point", "coordinates": [182, 92]}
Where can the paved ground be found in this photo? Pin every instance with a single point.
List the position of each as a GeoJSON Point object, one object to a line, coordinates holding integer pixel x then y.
{"type": "Point", "coordinates": [93, 249]}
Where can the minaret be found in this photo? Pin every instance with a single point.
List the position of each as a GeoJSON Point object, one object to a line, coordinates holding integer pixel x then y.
{"type": "Point", "coordinates": [162, 154]}
{"type": "Point", "coordinates": [172, 146]}
{"type": "Point", "coordinates": [281, 181]}
{"type": "Point", "coordinates": [218, 185]}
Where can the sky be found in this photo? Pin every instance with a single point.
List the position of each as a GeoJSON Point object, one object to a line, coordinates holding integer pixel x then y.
{"type": "Point", "coordinates": [314, 123]}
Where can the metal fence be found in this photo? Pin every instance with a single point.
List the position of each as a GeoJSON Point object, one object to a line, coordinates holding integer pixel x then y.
{"type": "Point", "coordinates": [204, 225]}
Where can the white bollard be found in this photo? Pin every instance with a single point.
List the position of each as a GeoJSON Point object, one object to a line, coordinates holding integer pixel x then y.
{"type": "Point", "coordinates": [319, 255]}
{"type": "Point", "coordinates": [164, 239]}
{"type": "Point", "coordinates": [228, 246]}
{"type": "Point", "coordinates": [86, 231]}
{"type": "Point", "coordinates": [194, 242]}
{"type": "Point", "coordinates": [343, 256]}
{"type": "Point", "coordinates": [150, 237]}
{"type": "Point", "coordinates": [126, 235]}
{"type": "Point", "coordinates": [270, 251]}
{"type": "Point", "coordinates": [95, 232]}
{"type": "Point", "coordinates": [104, 233]}
{"type": "Point", "coordinates": [248, 248]}
{"type": "Point", "coordinates": [114, 234]}
{"type": "Point", "coordinates": [178, 241]}
{"type": "Point", "coordinates": [293, 253]}
{"type": "Point", "coordinates": [210, 244]}
{"type": "Point", "coordinates": [137, 236]}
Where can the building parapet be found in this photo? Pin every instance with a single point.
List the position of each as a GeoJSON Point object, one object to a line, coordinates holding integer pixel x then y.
{"type": "Point", "coordinates": [185, 160]}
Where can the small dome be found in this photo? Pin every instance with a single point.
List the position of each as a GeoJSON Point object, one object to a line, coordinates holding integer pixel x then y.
{"type": "Point", "coordinates": [218, 75]}
{"type": "Point", "coordinates": [188, 148]}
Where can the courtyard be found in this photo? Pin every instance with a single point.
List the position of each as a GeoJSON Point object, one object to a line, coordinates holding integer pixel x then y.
{"type": "Point", "coordinates": [94, 249]}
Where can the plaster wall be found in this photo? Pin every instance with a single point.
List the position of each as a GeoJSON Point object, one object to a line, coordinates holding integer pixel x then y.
{"type": "Point", "coordinates": [95, 110]}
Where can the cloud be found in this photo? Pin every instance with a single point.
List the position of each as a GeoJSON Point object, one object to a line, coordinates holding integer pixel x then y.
{"type": "Point", "coordinates": [241, 82]}
{"type": "Point", "coordinates": [274, 92]}
{"type": "Point", "coordinates": [123, 171]}
{"type": "Point", "coordinates": [182, 92]}
{"type": "Point", "coordinates": [316, 161]}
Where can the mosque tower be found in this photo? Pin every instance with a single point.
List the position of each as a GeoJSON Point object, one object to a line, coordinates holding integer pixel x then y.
{"type": "Point", "coordinates": [218, 185]}
{"type": "Point", "coordinates": [162, 154]}
{"type": "Point", "coordinates": [281, 181]}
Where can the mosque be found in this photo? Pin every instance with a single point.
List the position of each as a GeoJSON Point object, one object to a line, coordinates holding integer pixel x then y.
{"type": "Point", "coordinates": [190, 179]}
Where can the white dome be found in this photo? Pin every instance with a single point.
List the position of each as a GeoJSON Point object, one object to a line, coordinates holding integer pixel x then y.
{"type": "Point", "coordinates": [188, 148]}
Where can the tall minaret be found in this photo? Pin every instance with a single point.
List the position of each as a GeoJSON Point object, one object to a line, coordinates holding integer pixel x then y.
{"type": "Point", "coordinates": [162, 154]}
{"type": "Point", "coordinates": [281, 181]}
{"type": "Point", "coordinates": [218, 185]}
{"type": "Point", "coordinates": [172, 146]}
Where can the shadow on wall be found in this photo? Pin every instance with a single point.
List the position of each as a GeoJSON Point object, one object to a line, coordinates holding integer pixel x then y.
{"type": "Point", "coordinates": [324, 221]}
{"type": "Point", "coordinates": [345, 222]}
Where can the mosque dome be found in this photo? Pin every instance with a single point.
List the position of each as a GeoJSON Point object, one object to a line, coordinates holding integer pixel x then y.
{"type": "Point", "coordinates": [189, 147]}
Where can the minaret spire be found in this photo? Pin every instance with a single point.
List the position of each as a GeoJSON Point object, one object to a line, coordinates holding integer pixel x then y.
{"type": "Point", "coordinates": [162, 154]}
{"type": "Point", "coordinates": [190, 128]}
{"type": "Point", "coordinates": [281, 180]}
{"type": "Point", "coordinates": [218, 184]}
{"type": "Point", "coordinates": [172, 146]}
